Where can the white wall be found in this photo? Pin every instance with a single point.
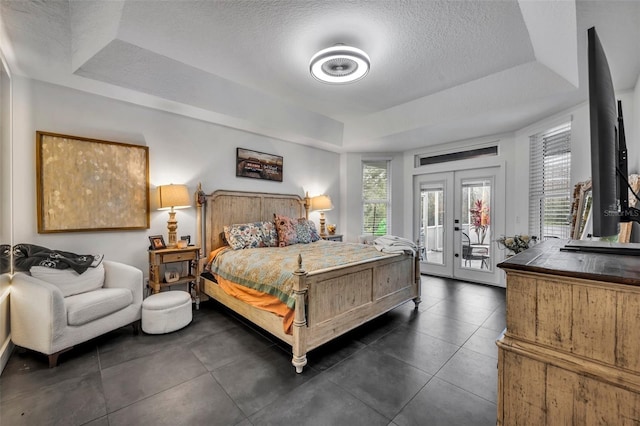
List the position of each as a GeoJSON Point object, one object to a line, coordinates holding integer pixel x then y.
{"type": "Point", "coordinates": [514, 152]}
{"type": "Point", "coordinates": [184, 150]}
{"type": "Point", "coordinates": [580, 151]}
{"type": "Point", "coordinates": [181, 150]}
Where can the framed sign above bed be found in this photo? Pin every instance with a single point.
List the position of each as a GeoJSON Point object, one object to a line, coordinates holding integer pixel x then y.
{"type": "Point", "coordinates": [258, 165]}
{"type": "Point", "coordinates": [90, 185]}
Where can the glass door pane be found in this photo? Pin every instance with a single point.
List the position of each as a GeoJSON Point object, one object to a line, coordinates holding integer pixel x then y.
{"type": "Point", "coordinates": [432, 224]}
{"type": "Point", "coordinates": [475, 218]}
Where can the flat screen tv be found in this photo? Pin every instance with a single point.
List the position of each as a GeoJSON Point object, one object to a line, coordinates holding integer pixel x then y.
{"type": "Point", "coordinates": [610, 204]}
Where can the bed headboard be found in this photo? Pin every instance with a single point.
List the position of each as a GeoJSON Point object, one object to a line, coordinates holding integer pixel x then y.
{"type": "Point", "coordinates": [228, 207]}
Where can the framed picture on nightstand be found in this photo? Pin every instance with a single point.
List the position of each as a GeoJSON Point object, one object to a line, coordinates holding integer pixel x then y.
{"type": "Point", "coordinates": [157, 242]}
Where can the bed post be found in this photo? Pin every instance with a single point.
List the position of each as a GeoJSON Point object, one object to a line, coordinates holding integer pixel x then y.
{"type": "Point", "coordinates": [417, 283]}
{"type": "Point", "coordinates": [307, 205]}
{"type": "Point", "coordinates": [299, 346]}
{"type": "Point", "coordinates": [200, 199]}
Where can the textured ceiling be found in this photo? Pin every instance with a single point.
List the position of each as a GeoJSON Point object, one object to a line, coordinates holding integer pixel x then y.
{"type": "Point", "coordinates": [441, 70]}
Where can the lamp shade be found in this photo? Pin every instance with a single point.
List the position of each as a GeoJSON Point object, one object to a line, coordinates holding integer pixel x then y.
{"type": "Point", "coordinates": [173, 196]}
{"type": "Point", "coordinates": [321, 203]}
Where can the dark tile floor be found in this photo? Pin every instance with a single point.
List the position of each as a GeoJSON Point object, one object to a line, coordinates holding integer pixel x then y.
{"type": "Point", "coordinates": [434, 366]}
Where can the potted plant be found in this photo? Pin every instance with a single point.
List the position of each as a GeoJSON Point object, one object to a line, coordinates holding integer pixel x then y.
{"type": "Point", "coordinates": [480, 220]}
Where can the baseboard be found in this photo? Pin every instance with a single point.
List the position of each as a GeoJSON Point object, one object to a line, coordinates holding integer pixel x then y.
{"type": "Point", "coordinates": [5, 353]}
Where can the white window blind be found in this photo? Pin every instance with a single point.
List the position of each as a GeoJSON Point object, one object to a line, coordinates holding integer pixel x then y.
{"type": "Point", "coordinates": [549, 179]}
{"type": "Point", "coordinates": [376, 197]}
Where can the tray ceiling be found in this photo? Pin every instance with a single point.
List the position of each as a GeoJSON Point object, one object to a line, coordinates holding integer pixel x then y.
{"type": "Point", "coordinates": [440, 70]}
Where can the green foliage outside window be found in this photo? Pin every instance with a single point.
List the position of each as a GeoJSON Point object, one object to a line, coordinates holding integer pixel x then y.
{"type": "Point", "coordinates": [375, 219]}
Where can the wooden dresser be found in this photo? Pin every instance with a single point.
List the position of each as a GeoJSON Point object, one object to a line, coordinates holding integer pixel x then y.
{"type": "Point", "coordinates": [570, 354]}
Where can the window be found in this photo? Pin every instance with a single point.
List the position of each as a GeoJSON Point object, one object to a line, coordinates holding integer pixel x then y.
{"type": "Point", "coordinates": [376, 197]}
{"type": "Point", "coordinates": [488, 151]}
{"type": "Point", "coordinates": [549, 177]}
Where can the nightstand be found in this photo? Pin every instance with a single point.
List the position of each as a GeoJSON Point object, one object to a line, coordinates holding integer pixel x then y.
{"type": "Point", "coordinates": [175, 259]}
{"type": "Point", "coordinates": [333, 237]}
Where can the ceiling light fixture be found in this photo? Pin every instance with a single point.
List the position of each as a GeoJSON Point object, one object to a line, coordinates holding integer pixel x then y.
{"type": "Point", "coordinates": [339, 64]}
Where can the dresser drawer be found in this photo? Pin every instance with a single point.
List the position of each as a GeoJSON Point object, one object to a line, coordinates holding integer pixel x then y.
{"type": "Point", "coordinates": [178, 257]}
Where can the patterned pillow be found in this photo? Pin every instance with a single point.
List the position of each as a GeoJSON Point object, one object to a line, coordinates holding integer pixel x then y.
{"type": "Point", "coordinates": [286, 228]}
{"type": "Point", "coordinates": [306, 231]}
{"type": "Point", "coordinates": [269, 234]}
{"type": "Point", "coordinates": [303, 232]}
{"type": "Point", "coordinates": [315, 235]}
{"type": "Point", "coordinates": [251, 235]}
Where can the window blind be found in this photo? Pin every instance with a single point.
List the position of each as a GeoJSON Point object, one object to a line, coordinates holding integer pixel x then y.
{"type": "Point", "coordinates": [549, 183]}
{"type": "Point", "coordinates": [376, 197]}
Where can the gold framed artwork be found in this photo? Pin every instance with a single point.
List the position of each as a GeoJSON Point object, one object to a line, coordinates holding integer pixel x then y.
{"type": "Point", "coordinates": [90, 185]}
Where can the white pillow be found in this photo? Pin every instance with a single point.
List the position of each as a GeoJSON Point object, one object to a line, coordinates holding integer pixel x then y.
{"type": "Point", "coordinates": [69, 281]}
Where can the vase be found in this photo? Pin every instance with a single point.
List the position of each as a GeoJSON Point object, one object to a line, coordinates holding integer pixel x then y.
{"type": "Point", "coordinates": [480, 235]}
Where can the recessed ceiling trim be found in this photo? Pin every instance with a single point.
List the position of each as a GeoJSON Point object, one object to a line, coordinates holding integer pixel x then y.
{"type": "Point", "coordinates": [339, 64]}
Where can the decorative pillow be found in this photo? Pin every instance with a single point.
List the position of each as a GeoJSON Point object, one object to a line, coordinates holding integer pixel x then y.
{"type": "Point", "coordinates": [315, 235]}
{"type": "Point", "coordinates": [306, 231]}
{"type": "Point", "coordinates": [303, 232]}
{"type": "Point", "coordinates": [69, 281]}
{"type": "Point", "coordinates": [286, 228]}
{"type": "Point", "coordinates": [269, 234]}
{"type": "Point", "coordinates": [251, 235]}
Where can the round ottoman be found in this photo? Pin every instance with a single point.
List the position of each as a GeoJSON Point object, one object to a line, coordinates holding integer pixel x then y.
{"type": "Point", "coordinates": [166, 312]}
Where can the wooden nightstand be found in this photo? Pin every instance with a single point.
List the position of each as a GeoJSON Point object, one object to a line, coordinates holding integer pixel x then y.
{"type": "Point", "coordinates": [333, 237]}
{"type": "Point", "coordinates": [159, 261]}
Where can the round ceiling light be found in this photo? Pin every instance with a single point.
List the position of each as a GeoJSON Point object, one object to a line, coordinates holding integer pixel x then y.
{"type": "Point", "coordinates": [339, 64]}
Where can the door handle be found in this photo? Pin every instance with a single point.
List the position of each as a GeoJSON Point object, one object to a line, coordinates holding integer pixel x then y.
{"type": "Point", "coordinates": [456, 228]}
{"type": "Point", "coordinates": [456, 255]}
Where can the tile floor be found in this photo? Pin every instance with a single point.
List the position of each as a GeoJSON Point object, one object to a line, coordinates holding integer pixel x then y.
{"type": "Point", "coordinates": [434, 366]}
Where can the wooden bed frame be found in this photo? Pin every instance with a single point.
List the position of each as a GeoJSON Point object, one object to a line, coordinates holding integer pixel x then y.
{"type": "Point", "coordinates": [329, 302]}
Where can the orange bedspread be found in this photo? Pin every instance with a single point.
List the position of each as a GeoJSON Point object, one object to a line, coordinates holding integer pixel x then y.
{"type": "Point", "coordinates": [263, 277]}
{"type": "Point", "coordinates": [255, 298]}
{"type": "Point", "coordinates": [260, 300]}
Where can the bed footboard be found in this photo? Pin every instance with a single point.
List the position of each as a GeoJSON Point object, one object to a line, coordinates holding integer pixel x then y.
{"type": "Point", "coordinates": [341, 299]}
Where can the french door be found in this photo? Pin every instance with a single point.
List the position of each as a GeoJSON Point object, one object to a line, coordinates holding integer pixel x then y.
{"type": "Point", "coordinates": [458, 214]}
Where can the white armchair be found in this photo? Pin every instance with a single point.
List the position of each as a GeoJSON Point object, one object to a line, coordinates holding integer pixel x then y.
{"type": "Point", "coordinates": [44, 320]}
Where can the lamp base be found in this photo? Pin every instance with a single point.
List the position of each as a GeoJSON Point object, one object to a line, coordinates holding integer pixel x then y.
{"type": "Point", "coordinates": [323, 230]}
{"type": "Point", "coordinates": [172, 226]}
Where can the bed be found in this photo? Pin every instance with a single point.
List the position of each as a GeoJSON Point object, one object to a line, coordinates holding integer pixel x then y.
{"type": "Point", "coordinates": [329, 301]}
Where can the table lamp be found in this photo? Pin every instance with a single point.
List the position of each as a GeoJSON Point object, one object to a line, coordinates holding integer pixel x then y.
{"type": "Point", "coordinates": [321, 203]}
{"type": "Point", "coordinates": [173, 197]}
